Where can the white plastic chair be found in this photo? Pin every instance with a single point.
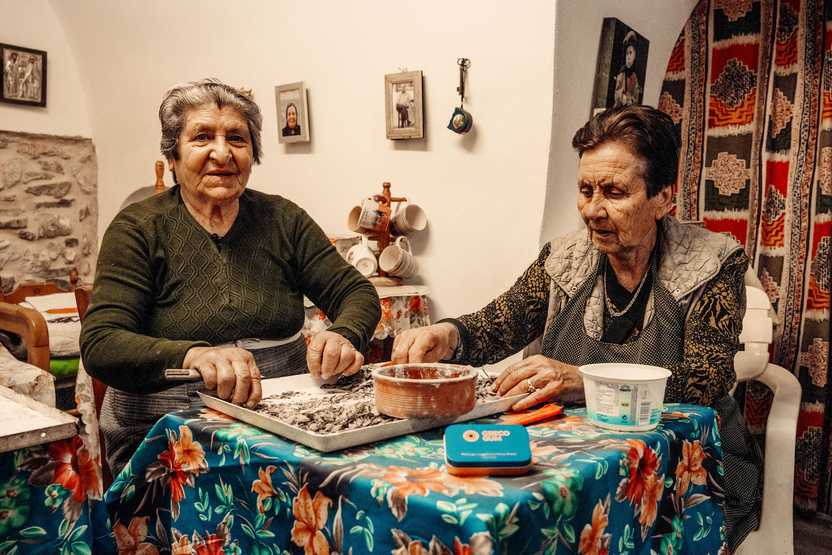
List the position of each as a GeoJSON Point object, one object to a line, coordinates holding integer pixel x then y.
{"type": "Point", "coordinates": [775, 535]}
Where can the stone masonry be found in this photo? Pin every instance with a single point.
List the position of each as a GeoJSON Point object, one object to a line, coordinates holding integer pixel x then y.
{"type": "Point", "coordinates": [48, 208]}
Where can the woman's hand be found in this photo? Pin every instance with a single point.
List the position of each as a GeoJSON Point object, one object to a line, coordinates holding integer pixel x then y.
{"type": "Point", "coordinates": [330, 354]}
{"type": "Point", "coordinates": [231, 370]}
{"type": "Point", "coordinates": [428, 344]}
{"type": "Point", "coordinates": [542, 378]}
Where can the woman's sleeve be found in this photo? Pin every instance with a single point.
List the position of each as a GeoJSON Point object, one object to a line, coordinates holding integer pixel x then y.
{"type": "Point", "coordinates": [113, 345]}
{"type": "Point", "coordinates": [347, 298]}
{"type": "Point", "coordinates": [509, 322]}
{"type": "Point", "coordinates": [711, 338]}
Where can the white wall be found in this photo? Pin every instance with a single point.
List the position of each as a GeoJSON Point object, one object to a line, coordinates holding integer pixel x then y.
{"type": "Point", "coordinates": [483, 192]}
{"type": "Point", "coordinates": [32, 23]}
{"type": "Point", "coordinates": [576, 45]}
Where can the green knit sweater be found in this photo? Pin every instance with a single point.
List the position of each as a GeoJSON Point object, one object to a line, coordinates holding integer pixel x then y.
{"type": "Point", "coordinates": [163, 286]}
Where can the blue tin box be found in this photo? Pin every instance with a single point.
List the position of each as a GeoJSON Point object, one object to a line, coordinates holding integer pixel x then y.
{"type": "Point", "coordinates": [487, 449]}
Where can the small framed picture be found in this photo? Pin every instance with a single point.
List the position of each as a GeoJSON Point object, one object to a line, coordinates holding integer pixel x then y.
{"type": "Point", "coordinates": [24, 75]}
{"type": "Point", "coordinates": [621, 68]}
{"type": "Point", "coordinates": [403, 105]}
{"type": "Point", "coordinates": [292, 113]}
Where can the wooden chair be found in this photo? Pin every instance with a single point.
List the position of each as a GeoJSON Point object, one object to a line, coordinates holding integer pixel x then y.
{"type": "Point", "coordinates": [28, 323]}
{"type": "Point", "coordinates": [82, 299]}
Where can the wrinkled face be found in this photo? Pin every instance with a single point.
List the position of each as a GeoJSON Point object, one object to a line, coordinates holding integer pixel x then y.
{"type": "Point", "coordinates": [215, 155]}
{"type": "Point", "coordinates": [612, 200]}
{"type": "Point", "coordinates": [630, 55]}
{"type": "Point", "coordinates": [291, 116]}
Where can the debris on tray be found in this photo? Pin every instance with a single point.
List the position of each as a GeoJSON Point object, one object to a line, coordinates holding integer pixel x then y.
{"type": "Point", "coordinates": [348, 405]}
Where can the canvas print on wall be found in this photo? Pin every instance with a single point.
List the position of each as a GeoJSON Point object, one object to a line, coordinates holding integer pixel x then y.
{"type": "Point", "coordinates": [292, 113]}
{"type": "Point", "coordinates": [622, 66]}
{"type": "Point", "coordinates": [403, 105]}
{"type": "Point", "coordinates": [23, 75]}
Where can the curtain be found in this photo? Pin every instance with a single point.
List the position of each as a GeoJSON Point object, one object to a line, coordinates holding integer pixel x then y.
{"type": "Point", "coordinates": [749, 86]}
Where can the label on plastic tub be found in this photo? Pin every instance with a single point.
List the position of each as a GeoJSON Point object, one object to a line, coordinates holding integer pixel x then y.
{"type": "Point", "coordinates": [625, 405]}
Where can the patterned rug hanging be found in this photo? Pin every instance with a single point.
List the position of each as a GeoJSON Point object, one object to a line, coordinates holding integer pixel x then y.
{"type": "Point", "coordinates": [749, 85]}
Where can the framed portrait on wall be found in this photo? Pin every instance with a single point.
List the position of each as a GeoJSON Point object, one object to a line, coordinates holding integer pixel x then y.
{"type": "Point", "coordinates": [621, 67]}
{"type": "Point", "coordinates": [403, 105]}
{"type": "Point", "coordinates": [23, 75]}
{"type": "Point", "coordinates": [292, 113]}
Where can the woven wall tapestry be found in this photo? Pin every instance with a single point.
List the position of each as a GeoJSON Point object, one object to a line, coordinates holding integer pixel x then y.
{"type": "Point", "coordinates": [749, 86]}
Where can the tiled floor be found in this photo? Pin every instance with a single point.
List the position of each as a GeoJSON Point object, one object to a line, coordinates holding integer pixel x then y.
{"type": "Point", "coordinates": [812, 536]}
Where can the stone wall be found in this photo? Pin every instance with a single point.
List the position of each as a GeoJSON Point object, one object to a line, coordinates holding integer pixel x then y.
{"type": "Point", "coordinates": [48, 208]}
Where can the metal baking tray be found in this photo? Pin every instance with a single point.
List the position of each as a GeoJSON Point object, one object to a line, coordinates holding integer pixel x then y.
{"type": "Point", "coordinates": [349, 438]}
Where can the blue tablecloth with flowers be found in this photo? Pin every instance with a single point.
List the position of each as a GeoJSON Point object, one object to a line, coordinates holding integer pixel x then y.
{"type": "Point", "coordinates": [50, 501]}
{"type": "Point", "coordinates": [203, 483]}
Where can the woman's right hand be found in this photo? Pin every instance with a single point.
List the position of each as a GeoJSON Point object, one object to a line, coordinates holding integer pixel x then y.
{"type": "Point", "coordinates": [428, 344]}
{"type": "Point", "coordinates": [230, 370]}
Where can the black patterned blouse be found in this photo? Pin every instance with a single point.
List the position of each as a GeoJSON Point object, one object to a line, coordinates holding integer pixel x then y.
{"type": "Point", "coordinates": [714, 321]}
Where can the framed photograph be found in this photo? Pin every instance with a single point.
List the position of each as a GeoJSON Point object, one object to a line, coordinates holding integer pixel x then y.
{"type": "Point", "coordinates": [403, 105]}
{"type": "Point", "coordinates": [622, 65]}
{"type": "Point", "coordinates": [24, 75]}
{"type": "Point", "coordinates": [292, 113]}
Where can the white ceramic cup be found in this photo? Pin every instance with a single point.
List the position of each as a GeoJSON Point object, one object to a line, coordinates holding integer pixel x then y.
{"type": "Point", "coordinates": [409, 218]}
{"type": "Point", "coordinates": [362, 257]}
{"type": "Point", "coordinates": [397, 259]}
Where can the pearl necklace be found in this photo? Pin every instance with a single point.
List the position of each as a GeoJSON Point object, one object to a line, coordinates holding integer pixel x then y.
{"type": "Point", "coordinates": [615, 313]}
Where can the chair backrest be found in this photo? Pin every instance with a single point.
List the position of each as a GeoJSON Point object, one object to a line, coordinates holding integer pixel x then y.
{"type": "Point", "coordinates": [28, 323]}
{"type": "Point", "coordinates": [82, 299]}
{"type": "Point", "coordinates": [83, 295]}
{"type": "Point", "coordinates": [38, 289]}
{"type": "Point", "coordinates": [775, 532]}
{"type": "Point", "coordinates": [144, 192]}
{"type": "Point", "coordinates": [756, 335]}
{"type": "Point", "coordinates": [756, 323]}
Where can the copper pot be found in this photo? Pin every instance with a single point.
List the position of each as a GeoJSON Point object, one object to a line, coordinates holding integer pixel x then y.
{"type": "Point", "coordinates": [425, 390]}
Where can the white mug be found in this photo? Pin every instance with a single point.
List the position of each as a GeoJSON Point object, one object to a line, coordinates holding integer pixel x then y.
{"type": "Point", "coordinates": [409, 218]}
{"type": "Point", "coordinates": [362, 257]}
{"type": "Point", "coordinates": [397, 259]}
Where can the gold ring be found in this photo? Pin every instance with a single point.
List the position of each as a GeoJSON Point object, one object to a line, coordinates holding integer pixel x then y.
{"type": "Point", "coordinates": [532, 388]}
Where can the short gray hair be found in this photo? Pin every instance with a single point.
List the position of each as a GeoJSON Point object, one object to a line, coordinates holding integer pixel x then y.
{"type": "Point", "coordinates": [181, 98]}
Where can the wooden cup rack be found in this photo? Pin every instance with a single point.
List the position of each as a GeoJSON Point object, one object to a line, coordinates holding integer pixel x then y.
{"type": "Point", "coordinates": [383, 236]}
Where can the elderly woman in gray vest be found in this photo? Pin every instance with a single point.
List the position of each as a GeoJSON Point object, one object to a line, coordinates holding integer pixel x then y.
{"type": "Point", "coordinates": [210, 275]}
{"type": "Point", "coordinates": [634, 286]}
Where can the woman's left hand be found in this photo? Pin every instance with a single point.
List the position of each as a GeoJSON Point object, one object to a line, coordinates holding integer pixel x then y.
{"type": "Point", "coordinates": [330, 354]}
{"type": "Point", "coordinates": [542, 378]}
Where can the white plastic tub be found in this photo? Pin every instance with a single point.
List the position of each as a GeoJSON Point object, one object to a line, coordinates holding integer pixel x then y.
{"type": "Point", "coordinates": [624, 397]}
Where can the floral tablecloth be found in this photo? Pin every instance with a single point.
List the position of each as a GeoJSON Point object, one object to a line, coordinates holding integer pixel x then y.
{"type": "Point", "coordinates": [203, 483]}
{"type": "Point", "coordinates": [402, 308]}
{"type": "Point", "coordinates": [50, 501]}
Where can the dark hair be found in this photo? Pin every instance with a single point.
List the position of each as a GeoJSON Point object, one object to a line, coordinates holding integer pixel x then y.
{"type": "Point", "coordinates": [647, 131]}
{"type": "Point", "coordinates": [181, 98]}
{"type": "Point", "coordinates": [290, 105]}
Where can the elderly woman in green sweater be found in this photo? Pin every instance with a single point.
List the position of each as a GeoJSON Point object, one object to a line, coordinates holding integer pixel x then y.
{"type": "Point", "coordinates": [211, 276]}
